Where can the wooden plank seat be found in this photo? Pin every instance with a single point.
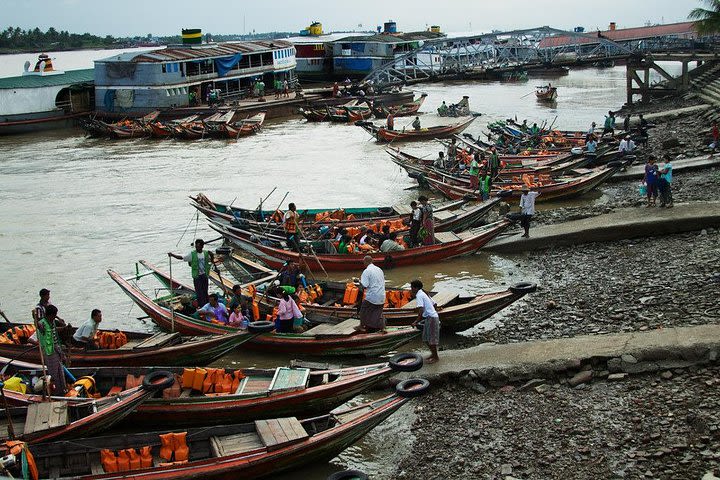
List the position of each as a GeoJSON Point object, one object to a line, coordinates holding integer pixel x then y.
{"type": "Point", "coordinates": [342, 329]}
{"type": "Point", "coordinates": [446, 237]}
{"type": "Point", "coordinates": [46, 416]}
{"type": "Point", "coordinates": [234, 444]}
{"type": "Point", "coordinates": [289, 379]}
{"type": "Point", "coordinates": [440, 298]}
{"type": "Point", "coordinates": [278, 432]}
{"type": "Point", "coordinates": [157, 340]}
{"type": "Point", "coordinates": [402, 209]}
{"type": "Point", "coordinates": [444, 216]}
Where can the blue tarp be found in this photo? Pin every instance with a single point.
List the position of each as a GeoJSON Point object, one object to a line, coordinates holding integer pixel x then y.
{"type": "Point", "coordinates": [225, 64]}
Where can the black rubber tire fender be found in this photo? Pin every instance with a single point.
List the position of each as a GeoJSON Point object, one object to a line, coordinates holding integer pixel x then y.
{"type": "Point", "coordinates": [224, 250]}
{"type": "Point", "coordinates": [504, 193]}
{"type": "Point", "coordinates": [406, 362]}
{"type": "Point", "coordinates": [412, 387]}
{"type": "Point", "coordinates": [385, 210]}
{"type": "Point", "coordinates": [523, 288]}
{"type": "Point", "coordinates": [158, 380]}
{"type": "Point", "coordinates": [348, 475]}
{"type": "Point", "coordinates": [261, 326]}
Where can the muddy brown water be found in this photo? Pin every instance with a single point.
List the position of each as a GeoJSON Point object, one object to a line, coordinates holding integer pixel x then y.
{"type": "Point", "coordinates": [73, 207]}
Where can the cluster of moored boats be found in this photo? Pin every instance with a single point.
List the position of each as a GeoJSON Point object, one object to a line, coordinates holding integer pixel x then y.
{"type": "Point", "coordinates": [359, 109]}
{"type": "Point", "coordinates": [186, 420]}
{"type": "Point", "coordinates": [224, 125]}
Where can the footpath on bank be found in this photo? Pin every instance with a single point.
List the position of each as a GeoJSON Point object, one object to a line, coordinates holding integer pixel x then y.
{"type": "Point", "coordinates": [680, 165]}
{"type": "Point", "coordinates": [622, 224]}
{"type": "Point", "coordinates": [629, 352]}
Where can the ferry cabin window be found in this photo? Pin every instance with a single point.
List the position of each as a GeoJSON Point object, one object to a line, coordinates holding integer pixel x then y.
{"type": "Point", "coordinates": [193, 68]}
{"type": "Point", "coordinates": [182, 69]}
{"type": "Point", "coordinates": [164, 68]}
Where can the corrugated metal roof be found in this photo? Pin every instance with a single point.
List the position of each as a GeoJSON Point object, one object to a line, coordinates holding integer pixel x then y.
{"type": "Point", "coordinates": [174, 53]}
{"type": "Point", "coordinates": [399, 38]}
{"type": "Point", "coordinates": [330, 37]}
{"type": "Point", "coordinates": [684, 29]}
{"type": "Point", "coordinates": [36, 81]}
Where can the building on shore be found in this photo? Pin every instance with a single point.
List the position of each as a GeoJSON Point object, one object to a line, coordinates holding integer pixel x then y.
{"type": "Point", "coordinates": [356, 56]}
{"type": "Point", "coordinates": [43, 98]}
{"type": "Point", "coordinates": [190, 74]}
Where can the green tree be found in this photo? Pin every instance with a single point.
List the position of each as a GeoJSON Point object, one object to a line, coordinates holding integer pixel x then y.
{"type": "Point", "coordinates": [707, 20]}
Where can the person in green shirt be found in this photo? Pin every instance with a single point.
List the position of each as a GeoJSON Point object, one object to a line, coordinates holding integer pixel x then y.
{"type": "Point", "coordinates": [49, 344]}
{"type": "Point", "coordinates": [474, 170]}
{"type": "Point", "coordinates": [484, 181]}
{"type": "Point", "coordinates": [534, 130]}
{"type": "Point", "coordinates": [200, 264]}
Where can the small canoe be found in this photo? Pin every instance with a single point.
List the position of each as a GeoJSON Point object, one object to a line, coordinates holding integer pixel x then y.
{"type": "Point", "coordinates": [340, 340]}
{"type": "Point", "coordinates": [382, 134]}
{"type": "Point", "coordinates": [165, 129]}
{"type": "Point", "coordinates": [546, 93]}
{"type": "Point", "coordinates": [448, 245]}
{"type": "Point", "coordinates": [141, 349]}
{"type": "Point", "coordinates": [47, 421]}
{"type": "Point", "coordinates": [314, 115]}
{"type": "Point", "coordinates": [251, 450]}
{"type": "Point", "coordinates": [255, 393]}
{"type": "Point", "coordinates": [404, 110]}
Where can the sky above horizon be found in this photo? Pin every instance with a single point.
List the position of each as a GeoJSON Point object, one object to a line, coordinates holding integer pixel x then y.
{"type": "Point", "coordinates": [136, 17]}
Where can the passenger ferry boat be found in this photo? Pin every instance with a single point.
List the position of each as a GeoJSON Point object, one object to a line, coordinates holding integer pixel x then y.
{"type": "Point", "coordinates": [44, 98]}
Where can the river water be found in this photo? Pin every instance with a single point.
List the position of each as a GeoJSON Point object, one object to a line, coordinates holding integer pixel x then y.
{"type": "Point", "coordinates": [72, 207]}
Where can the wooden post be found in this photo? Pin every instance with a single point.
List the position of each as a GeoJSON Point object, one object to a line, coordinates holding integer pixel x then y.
{"type": "Point", "coordinates": [629, 71]}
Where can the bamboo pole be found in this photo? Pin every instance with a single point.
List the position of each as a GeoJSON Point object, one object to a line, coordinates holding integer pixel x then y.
{"type": "Point", "coordinates": [172, 296]}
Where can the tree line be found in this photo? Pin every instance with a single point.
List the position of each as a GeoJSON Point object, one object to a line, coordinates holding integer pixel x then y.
{"type": "Point", "coordinates": [15, 38]}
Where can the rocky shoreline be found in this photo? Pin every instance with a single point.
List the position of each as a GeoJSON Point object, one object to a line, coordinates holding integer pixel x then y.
{"type": "Point", "coordinates": [658, 425]}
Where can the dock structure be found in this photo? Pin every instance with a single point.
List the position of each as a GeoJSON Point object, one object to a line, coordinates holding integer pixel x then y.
{"type": "Point", "coordinates": [622, 224]}
{"type": "Point", "coordinates": [498, 52]}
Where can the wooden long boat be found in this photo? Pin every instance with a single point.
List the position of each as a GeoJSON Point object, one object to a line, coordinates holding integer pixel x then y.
{"type": "Point", "coordinates": [247, 451]}
{"type": "Point", "coordinates": [403, 110]}
{"type": "Point", "coordinates": [208, 127]}
{"type": "Point", "coordinates": [546, 93]}
{"type": "Point", "coordinates": [448, 245]}
{"type": "Point", "coordinates": [383, 134]}
{"type": "Point", "coordinates": [245, 127]}
{"type": "Point", "coordinates": [348, 114]}
{"type": "Point", "coordinates": [457, 313]}
{"type": "Point", "coordinates": [342, 340]}
{"type": "Point", "coordinates": [559, 190]}
{"type": "Point", "coordinates": [341, 217]}
{"type": "Point", "coordinates": [313, 114]}
{"type": "Point", "coordinates": [260, 393]}
{"type": "Point", "coordinates": [165, 129]}
{"type": "Point", "coordinates": [128, 128]}
{"type": "Point", "coordinates": [46, 421]}
{"type": "Point", "coordinates": [465, 217]}
{"type": "Point", "coordinates": [142, 349]}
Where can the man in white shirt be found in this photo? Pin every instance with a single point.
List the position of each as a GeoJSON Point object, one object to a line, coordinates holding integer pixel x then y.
{"type": "Point", "coordinates": [85, 334]}
{"type": "Point", "coordinates": [427, 313]}
{"type": "Point", "coordinates": [627, 146]}
{"type": "Point", "coordinates": [371, 308]}
{"type": "Point", "coordinates": [527, 208]}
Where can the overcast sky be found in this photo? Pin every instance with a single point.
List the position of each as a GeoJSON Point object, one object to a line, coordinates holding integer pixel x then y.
{"type": "Point", "coordinates": [165, 17]}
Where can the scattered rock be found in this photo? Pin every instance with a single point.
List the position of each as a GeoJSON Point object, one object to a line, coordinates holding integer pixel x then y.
{"type": "Point", "coordinates": [667, 375]}
{"type": "Point", "coordinates": [532, 384]}
{"type": "Point", "coordinates": [506, 469]}
{"type": "Point", "coordinates": [581, 377]}
{"type": "Point", "coordinates": [628, 359]}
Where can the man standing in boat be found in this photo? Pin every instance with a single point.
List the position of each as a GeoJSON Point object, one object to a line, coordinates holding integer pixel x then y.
{"type": "Point", "coordinates": [371, 308]}
{"type": "Point", "coordinates": [49, 344]}
{"type": "Point", "coordinates": [63, 329]}
{"type": "Point", "coordinates": [390, 122]}
{"type": "Point", "coordinates": [291, 224]}
{"type": "Point", "coordinates": [494, 165]}
{"type": "Point", "coordinates": [200, 262]}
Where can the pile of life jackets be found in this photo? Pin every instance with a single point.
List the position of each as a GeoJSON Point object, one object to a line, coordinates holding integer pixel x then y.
{"type": "Point", "coordinates": [110, 340]}
{"type": "Point", "coordinates": [127, 459]}
{"type": "Point", "coordinates": [324, 217]}
{"type": "Point", "coordinates": [351, 294]}
{"type": "Point", "coordinates": [211, 380]}
{"type": "Point", "coordinates": [311, 294]}
{"type": "Point", "coordinates": [397, 298]}
{"type": "Point", "coordinates": [174, 448]}
{"type": "Point", "coordinates": [17, 335]}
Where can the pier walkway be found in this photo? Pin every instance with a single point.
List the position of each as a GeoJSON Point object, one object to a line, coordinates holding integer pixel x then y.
{"type": "Point", "coordinates": [682, 343]}
{"type": "Point", "coordinates": [621, 224]}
